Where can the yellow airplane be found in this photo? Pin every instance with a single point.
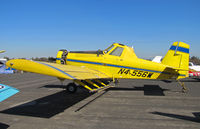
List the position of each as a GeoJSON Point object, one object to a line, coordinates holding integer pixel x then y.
{"type": "Point", "coordinates": [92, 69]}
{"type": "Point", "coordinates": [2, 51]}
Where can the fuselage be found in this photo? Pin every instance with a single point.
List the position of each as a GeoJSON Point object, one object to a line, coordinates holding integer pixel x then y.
{"type": "Point", "coordinates": [120, 61]}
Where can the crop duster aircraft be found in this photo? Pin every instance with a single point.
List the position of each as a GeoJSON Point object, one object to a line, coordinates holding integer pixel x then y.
{"type": "Point", "coordinates": [93, 69]}
{"type": "Point", "coordinates": [2, 51]}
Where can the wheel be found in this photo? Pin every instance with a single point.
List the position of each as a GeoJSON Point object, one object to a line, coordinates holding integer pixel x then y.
{"type": "Point", "coordinates": [71, 88]}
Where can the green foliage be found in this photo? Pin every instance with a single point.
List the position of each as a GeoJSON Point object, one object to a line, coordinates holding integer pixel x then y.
{"type": "Point", "coordinates": [195, 60]}
{"type": "Point", "coordinates": [6, 58]}
{"type": "Point", "coordinates": [45, 59]}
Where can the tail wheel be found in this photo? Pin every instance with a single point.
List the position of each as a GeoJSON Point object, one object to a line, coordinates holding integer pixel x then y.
{"type": "Point", "coordinates": [71, 87]}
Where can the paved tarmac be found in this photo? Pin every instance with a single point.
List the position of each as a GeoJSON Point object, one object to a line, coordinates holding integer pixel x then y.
{"type": "Point", "coordinates": [133, 104]}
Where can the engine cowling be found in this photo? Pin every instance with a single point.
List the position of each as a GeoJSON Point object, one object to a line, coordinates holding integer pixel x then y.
{"type": "Point", "coordinates": [61, 57]}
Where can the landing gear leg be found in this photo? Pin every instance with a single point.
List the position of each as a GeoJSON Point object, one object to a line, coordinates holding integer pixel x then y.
{"type": "Point", "coordinates": [61, 80]}
{"type": "Point", "coordinates": [115, 81]}
{"type": "Point", "coordinates": [184, 89]}
{"type": "Point", "coordinates": [71, 88]}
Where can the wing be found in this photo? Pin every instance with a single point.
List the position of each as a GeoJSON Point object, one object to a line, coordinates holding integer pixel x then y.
{"type": "Point", "coordinates": [6, 92]}
{"type": "Point", "coordinates": [56, 70]}
{"type": "Point", "coordinates": [2, 51]}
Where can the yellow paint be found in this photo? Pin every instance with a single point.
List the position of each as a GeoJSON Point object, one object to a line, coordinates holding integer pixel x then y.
{"type": "Point", "coordinates": [177, 59]}
{"type": "Point", "coordinates": [129, 59]}
{"type": "Point", "coordinates": [81, 66]}
{"type": "Point", "coordinates": [100, 82]}
{"type": "Point", "coordinates": [90, 82]}
{"type": "Point", "coordinates": [83, 84]}
{"type": "Point", "coordinates": [2, 51]}
{"type": "Point", "coordinates": [56, 70]}
{"type": "Point", "coordinates": [59, 55]}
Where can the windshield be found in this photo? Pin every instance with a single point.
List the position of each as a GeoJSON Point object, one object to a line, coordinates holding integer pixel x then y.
{"type": "Point", "coordinates": [108, 49]}
{"type": "Point", "coordinates": [117, 51]}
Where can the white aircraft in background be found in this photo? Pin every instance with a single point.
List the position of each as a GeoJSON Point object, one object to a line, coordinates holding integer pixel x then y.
{"type": "Point", "coordinates": [2, 61]}
{"type": "Point", "coordinates": [157, 59]}
{"type": "Point", "coordinates": [3, 69]}
{"type": "Point", "coordinates": [194, 71]}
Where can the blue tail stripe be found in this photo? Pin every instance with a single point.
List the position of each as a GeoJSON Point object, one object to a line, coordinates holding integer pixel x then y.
{"type": "Point", "coordinates": [181, 49]}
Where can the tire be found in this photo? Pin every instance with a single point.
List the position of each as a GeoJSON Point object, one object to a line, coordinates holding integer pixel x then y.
{"type": "Point", "coordinates": [71, 88]}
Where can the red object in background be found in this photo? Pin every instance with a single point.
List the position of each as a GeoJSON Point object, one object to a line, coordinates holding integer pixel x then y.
{"type": "Point", "coordinates": [194, 74]}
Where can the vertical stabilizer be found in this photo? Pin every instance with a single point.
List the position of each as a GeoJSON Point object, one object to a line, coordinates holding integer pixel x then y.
{"type": "Point", "coordinates": [178, 57]}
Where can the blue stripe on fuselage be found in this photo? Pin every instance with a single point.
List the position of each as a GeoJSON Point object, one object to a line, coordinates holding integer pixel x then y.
{"type": "Point", "coordinates": [58, 58]}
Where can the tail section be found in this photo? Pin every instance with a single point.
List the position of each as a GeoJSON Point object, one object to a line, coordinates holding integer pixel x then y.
{"type": "Point", "coordinates": [178, 57]}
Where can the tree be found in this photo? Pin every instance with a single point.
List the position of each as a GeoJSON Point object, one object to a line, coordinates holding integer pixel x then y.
{"type": "Point", "coordinates": [6, 58]}
{"type": "Point", "coordinates": [195, 60]}
{"type": "Point", "coordinates": [49, 59]}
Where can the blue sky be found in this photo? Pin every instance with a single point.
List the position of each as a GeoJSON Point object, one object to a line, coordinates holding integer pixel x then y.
{"type": "Point", "coordinates": [39, 28]}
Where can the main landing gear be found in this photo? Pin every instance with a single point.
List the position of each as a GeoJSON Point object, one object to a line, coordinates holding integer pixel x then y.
{"type": "Point", "coordinates": [91, 85]}
{"type": "Point", "coordinates": [71, 88]}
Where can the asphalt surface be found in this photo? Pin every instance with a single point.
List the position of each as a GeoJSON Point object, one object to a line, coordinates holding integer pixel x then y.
{"type": "Point", "coordinates": [133, 104]}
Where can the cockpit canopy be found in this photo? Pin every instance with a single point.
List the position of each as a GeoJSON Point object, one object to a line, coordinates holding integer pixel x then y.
{"type": "Point", "coordinates": [120, 50]}
{"type": "Point", "coordinates": [115, 51]}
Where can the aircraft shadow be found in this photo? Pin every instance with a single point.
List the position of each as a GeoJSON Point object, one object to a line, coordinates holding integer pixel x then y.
{"type": "Point", "coordinates": [182, 80]}
{"type": "Point", "coordinates": [190, 80]}
{"type": "Point", "coordinates": [3, 126]}
{"type": "Point", "coordinates": [196, 117]}
{"type": "Point", "coordinates": [150, 90]}
{"type": "Point", "coordinates": [48, 106]}
{"type": "Point", "coordinates": [54, 86]}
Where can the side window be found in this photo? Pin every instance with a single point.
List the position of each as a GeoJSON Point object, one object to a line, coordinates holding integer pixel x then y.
{"type": "Point", "coordinates": [117, 51]}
